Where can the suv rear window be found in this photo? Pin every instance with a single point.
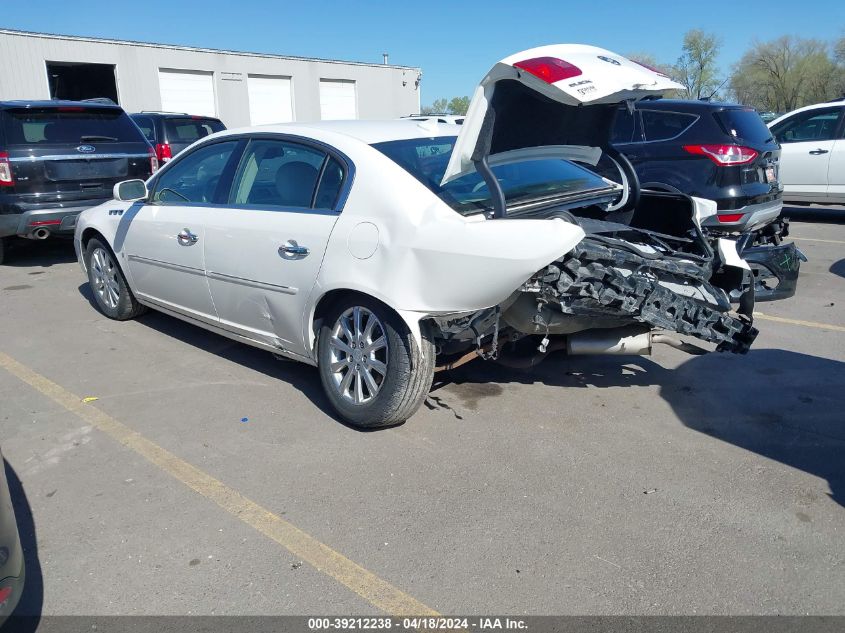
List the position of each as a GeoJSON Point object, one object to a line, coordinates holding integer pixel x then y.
{"type": "Point", "coordinates": [190, 130]}
{"type": "Point", "coordinates": [662, 126]}
{"type": "Point", "coordinates": [426, 159]}
{"type": "Point", "coordinates": [44, 126]}
{"type": "Point", "coordinates": [744, 124]}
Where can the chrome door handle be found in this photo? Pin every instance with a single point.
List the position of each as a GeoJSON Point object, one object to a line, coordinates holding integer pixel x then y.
{"type": "Point", "coordinates": [291, 249]}
{"type": "Point", "coordinates": [186, 238]}
{"type": "Point", "coordinates": [816, 152]}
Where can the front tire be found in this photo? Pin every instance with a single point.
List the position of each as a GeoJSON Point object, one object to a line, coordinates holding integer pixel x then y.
{"type": "Point", "coordinates": [111, 292]}
{"type": "Point", "coordinates": [4, 248]}
{"type": "Point", "coordinates": [372, 370]}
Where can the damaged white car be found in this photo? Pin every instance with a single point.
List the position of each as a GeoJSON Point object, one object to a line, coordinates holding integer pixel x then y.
{"type": "Point", "coordinates": [379, 251]}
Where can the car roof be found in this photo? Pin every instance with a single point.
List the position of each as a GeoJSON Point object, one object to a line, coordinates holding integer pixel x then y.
{"type": "Point", "coordinates": [173, 115]}
{"type": "Point", "coordinates": [826, 104]}
{"type": "Point", "coordinates": [368, 132]}
{"type": "Point", "coordinates": [56, 103]}
{"type": "Point", "coordinates": [688, 105]}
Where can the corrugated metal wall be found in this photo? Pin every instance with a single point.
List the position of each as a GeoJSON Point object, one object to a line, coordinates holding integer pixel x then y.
{"type": "Point", "coordinates": [383, 91]}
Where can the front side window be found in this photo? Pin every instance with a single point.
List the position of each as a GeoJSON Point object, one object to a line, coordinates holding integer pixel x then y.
{"type": "Point", "coordinates": [283, 174]}
{"type": "Point", "coordinates": [523, 181]}
{"type": "Point", "coordinates": [814, 125]}
{"type": "Point", "coordinates": [662, 126]}
{"type": "Point", "coordinates": [195, 177]}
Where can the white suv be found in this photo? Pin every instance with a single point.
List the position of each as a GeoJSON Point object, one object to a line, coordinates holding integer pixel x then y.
{"type": "Point", "coordinates": [812, 159]}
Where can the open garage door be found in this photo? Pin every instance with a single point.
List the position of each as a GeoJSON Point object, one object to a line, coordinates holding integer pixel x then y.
{"type": "Point", "coordinates": [338, 99]}
{"type": "Point", "coordinates": [77, 81]}
{"type": "Point", "coordinates": [188, 91]}
{"type": "Point", "coordinates": [269, 99]}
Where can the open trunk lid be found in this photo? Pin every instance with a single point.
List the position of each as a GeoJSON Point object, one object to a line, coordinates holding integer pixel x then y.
{"type": "Point", "coordinates": [539, 97]}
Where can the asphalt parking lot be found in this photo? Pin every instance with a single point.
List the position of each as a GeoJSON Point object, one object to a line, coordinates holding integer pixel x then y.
{"type": "Point", "coordinates": [210, 478]}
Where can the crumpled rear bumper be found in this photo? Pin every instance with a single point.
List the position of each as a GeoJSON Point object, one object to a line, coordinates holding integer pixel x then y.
{"type": "Point", "coordinates": [598, 280]}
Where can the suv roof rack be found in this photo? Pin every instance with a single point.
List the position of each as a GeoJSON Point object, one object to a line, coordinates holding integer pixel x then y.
{"type": "Point", "coordinates": [165, 112]}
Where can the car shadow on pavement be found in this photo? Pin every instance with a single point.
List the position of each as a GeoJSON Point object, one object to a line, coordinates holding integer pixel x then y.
{"type": "Point", "coordinates": [783, 405]}
{"type": "Point", "coordinates": [830, 215]}
{"type": "Point", "coordinates": [27, 614]}
{"type": "Point", "coordinates": [25, 253]}
{"type": "Point", "coordinates": [299, 375]}
{"type": "Point", "coordinates": [838, 268]}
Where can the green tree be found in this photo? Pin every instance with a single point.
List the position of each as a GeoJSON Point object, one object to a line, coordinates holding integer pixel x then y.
{"type": "Point", "coordinates": [697, 67]}
{"type": "Point", "coordinates": [786, 73]}
{"type": "Point", "coordinates": [458, 105]}
{"type": "Point", "coordinates": [438, 106]}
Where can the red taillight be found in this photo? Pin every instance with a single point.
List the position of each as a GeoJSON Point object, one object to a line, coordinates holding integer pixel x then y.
{"type": "Point", "coordinates": [724, 154]}
{"type": "Point", "coordinates": [163, 152]}
{"type": "Point", "coordinates": [651, 68]}
{"type": "Point", "coordinates": [45, 223]}
{"type": "Point", "coordinates": [730, 217]}
{"type": "Point", "coordinates": [153, 161]}
{"type": "Point", "coordinates": [6, 178]}
{"type": "Point", "coordinates": [549, 69]}
{"type": "Point", "coordinates": [5, 592]}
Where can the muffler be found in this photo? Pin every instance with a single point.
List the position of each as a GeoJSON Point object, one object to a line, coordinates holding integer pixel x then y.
{"type": "Point", "coordinates": [632, 340]}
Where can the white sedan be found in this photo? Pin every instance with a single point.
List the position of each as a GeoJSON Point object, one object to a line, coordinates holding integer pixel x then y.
{"type": "Point", "coordinates": [812, 155]}
{"type": "Point", "coordinates": [374, 249]}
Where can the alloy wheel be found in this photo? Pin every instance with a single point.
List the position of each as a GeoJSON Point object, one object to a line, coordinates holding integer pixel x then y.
{"type": "Point", "coordinates": [358, 355]}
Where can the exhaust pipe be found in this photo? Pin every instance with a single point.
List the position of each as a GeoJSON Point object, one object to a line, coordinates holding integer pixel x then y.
{"type": "Point", "coordinates": [39, 234]}
{"type": "Point", "coordinates": [632, 340]}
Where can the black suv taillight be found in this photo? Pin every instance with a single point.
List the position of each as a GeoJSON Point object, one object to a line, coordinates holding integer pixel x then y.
{"type": "Point", "coordinates": [6, 178]}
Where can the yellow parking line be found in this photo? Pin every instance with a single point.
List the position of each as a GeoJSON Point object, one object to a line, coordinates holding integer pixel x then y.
{"type": "Point", "coordinates": [366, 584]}
{"type": "Point", "coordinates": [816, 239]}
{"type": "Point", "coordinates": [813, 324]}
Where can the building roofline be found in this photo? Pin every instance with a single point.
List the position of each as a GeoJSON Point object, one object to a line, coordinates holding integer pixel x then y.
{"type": "Point", "coordinates": [199, 49]}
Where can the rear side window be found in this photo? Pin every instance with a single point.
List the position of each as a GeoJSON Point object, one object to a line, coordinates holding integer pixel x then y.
{"type": "Point", "coordinates": [69, 125]}
{"type": "Point", "coordinates": [278, 174]}
{"type": "Point", "coordinates": [623, 127]}
{"type": "Point", "coordinates": [744, 125]}
{"type": "Point", "coordinates": [813, 125]}
{"type": "Point", "coordinates": [147, 127]}
{"type": "Point", "coordinates": [190, 130]}
{"type": "Point", "coordinates": [662, 126]}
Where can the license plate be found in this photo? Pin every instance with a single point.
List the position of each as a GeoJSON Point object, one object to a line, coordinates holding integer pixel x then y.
{"type": "Point", "coordinates": [771, 174]}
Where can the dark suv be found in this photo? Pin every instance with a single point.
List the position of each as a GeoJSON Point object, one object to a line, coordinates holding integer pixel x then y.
{"type": "Point", "coordinates": [723, 152]}
{"type": "Point", "coordinates": [58, 158]}
{"type": "Point", "coordinates": [170, 132]}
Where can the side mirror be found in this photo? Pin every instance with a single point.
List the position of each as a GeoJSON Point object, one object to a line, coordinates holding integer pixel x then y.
{"type": "Point", "coordinates": [130, 191]}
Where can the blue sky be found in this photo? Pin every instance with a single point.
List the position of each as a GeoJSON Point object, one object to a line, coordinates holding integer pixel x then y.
{"type": "Point", "coordinates": [454, 43]}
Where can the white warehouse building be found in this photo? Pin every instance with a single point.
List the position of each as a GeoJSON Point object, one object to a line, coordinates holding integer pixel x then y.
{"type": "Point", "coordinates": [239, 88]}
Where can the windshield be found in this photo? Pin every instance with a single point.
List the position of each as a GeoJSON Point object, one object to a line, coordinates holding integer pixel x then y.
{"type": "Point", "coordinates": [746, 125]}
{"type": "Point", "coordinates": [71, 124]}
{"type": "Point", "coordinates": [426, 160]}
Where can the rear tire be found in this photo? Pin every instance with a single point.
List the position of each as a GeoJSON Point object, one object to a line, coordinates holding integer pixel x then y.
{"type": "Point", "coordinates": [372, 370]}
{"type": "Point", "coordinates": [4, 249]}
{"type": "Point", "coordinates": [107, 283]}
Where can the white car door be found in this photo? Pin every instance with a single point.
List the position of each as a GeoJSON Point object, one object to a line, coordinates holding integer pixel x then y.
{"type": "Point", "coordinates": [163, 240]}
{"type": "Point", "coordinates": [265, 248]}
{"type": "Point", "coordinates": [807, 140]}
{"type": "Point", "coordinates": [836, 171]}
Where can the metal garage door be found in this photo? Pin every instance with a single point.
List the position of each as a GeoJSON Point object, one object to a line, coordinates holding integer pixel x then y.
{"type": "Point", "coordinates": [269, 99]}
{"type": "Point", "coordinates": [338, 99]}
{"type": "Point", "coordinates": [189, 91]}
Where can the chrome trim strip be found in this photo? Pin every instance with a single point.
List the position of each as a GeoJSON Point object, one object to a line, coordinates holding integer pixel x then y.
{"type": "Point", "coordinates": [251, 283]}
{"type": "Point", "coordinates": [85, 157]}
{"type": "Point", "coordinates": [168, 265]}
